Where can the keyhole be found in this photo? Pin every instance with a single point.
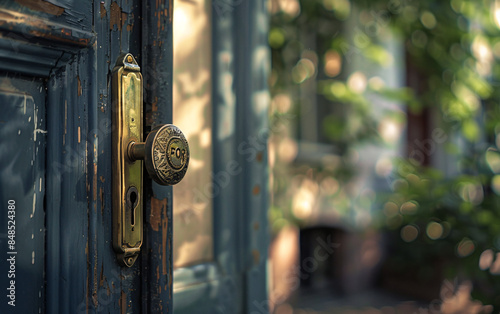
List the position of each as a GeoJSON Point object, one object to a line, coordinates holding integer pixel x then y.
{"type": "Point", "coordinates": [131, 200]}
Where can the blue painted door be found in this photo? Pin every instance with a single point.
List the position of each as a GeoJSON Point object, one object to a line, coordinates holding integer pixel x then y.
{"type": "Point", "coordinates": [56, 58]}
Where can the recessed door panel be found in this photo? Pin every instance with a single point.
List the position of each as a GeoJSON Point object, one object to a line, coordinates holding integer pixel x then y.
{"type": "Point", "coordinates": [22, 194]}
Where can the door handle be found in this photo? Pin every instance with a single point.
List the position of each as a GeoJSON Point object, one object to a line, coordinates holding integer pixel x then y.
{"type": "Point", "coordinates": [165, 154]}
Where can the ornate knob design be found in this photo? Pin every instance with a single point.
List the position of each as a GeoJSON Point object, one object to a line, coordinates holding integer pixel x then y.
{"type": "Point", "coordinates": [165, 154]}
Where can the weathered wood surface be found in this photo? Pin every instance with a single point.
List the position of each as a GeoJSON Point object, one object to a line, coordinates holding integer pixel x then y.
{"type": "Point", "coordinates": [70, 48]}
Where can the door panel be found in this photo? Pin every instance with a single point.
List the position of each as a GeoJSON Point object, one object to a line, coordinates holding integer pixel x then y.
{"type": "Point", "coordinates": [22, 178]}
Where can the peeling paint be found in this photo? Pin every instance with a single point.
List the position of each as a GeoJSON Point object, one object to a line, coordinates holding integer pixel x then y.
{"type": "Point", "coordinates": [256, 256]}
{"type": "Point", "coordinates": [79, 86]}
{"type": "Point", "coordinates": [116, 16]}
{"type": "Point", "coordinates": [123, 302]}
{"type": "Point", "coordinates": [130, 26]}
{"type": "Point", "coordinates": [101, 196]}
{"type": "Point", "coordinates": [101, 277]}
{"type": "Point", "coordinates": [171, 9]}
{"type": "Point", "coordinates": [157, 208]}
{"type": "Point", "coordinates": [259, 157]}
{"type": "Point", "coordinates": [43, 28]}
{"type": "Point", "coordinates": [35, 122]}
{"type": "Point", "coordinates": [81, 41]}
{"type": "Point", "coordinates": [103, 10]}
{"type": "Point", "coordinates": [34, 205]}
{"type": "Point", "coordinates": [155, 105]}
{"type": "Point", "coordinates": [164, 233]}
{"type": "Point", "coordinates": [42, 6]}
{"type": "Point", "coordinates": [256, 190]}
{"type": "Point", "coordinates": [94, 182]}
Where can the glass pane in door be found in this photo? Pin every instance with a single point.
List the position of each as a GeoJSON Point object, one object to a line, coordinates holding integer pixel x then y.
{"type": "Point", "coordinates": [192, 113]}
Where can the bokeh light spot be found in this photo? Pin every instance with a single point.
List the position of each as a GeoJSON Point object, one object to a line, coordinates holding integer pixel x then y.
{"type": "Point", "coordinates": [496, 12]}
{"type": "Point", "coordinates": [495, 267]}
{"type": "Point", "coordinates": [493, 160]}
{"type": "Point", "coordinates": [304, 69]}
{"type": "Point", "coordinates": [329, 186]}
{"type": "Point", "coordinates": [305, 199]}
{"type": "Point", "coordinates": [342, 8]}
{"type": "Point", "coordinates": [357, 82]}
{"type": "Point", "coordinates": [276, 38]}
{"type": "Point", "coordinates": [389, 130]}
{"type": "Point", "coordinates": [472, 193]}
{"type": "Point", "coordinates": [282, 103]}
{"type": "Point", "coordinates": [495, 184]}
{"type": "Point", "coordinates": [428, 20]}
{"type": "Point", "coordinates": [465, 248]}
{"type": "Point", "coordinates": [409, 208]}
{"type": "Point", "coordinates": [391, 209]}
{"type": "Point", "coordinates": [409, 233]}
{"type": "Point", "coordinates": [333, 63]}
{"type": "Point", "coordinates": [338, 89]}
{"type": "Point", "coordinates": [383, 167]}
{"type": "Point", "coordinates": [419, 38]}
{"type": "Point", "coordinates": [290, 7]}
{"type": "Point", "coordinates": [434, 230]}
{"type": "Point", "coordinates": [486, 259]}
{"type": "Point", "coordinates": [376, 83]}
{"type": "Point", "coordinates": [287, 149]}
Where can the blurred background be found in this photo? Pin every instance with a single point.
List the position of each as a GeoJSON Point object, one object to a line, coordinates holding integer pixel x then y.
{"type": "Point", "coordinates": [383, 154]}
{"type": "Point", "coordinates": [385, 170]}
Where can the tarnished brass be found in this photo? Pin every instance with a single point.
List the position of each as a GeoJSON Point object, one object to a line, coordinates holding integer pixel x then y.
{"type": "Point", "coordinates": [127, 174]}
{"type": "Point", "coordinates": [165, 153]}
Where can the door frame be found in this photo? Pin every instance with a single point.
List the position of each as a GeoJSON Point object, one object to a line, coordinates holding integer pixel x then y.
{"type": "Point", "coordinates": [235, 282]}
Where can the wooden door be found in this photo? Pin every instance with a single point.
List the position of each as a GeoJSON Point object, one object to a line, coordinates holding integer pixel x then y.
{"type": "Point", "coordinates": [56, 58]}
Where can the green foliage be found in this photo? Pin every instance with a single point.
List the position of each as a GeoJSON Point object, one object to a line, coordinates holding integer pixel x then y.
{"type": "Point", "coordinates": [456, 220]}
{"type": "Point", "coordinates": [452, 50]}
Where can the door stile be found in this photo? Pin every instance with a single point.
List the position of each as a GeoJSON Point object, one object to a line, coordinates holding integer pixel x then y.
{"type": "Point", "coordinates": [156, 62]}
{"type": "Point", "coordinates": [252, 92]}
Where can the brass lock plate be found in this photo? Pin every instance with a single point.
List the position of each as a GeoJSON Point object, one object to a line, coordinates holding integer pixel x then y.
{"type": "Point", "coordinates": [127, 175]}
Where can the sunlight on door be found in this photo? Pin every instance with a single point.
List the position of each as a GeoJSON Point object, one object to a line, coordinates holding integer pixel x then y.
{"type": "Point", "coordinates": [192, 112]}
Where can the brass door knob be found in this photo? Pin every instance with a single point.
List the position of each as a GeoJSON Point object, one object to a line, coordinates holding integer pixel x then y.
{"type": "Point", "coordinates": [165, 154]}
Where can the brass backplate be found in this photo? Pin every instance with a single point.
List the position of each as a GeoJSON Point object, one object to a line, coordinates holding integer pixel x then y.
{"type": "Point", "coordinates": [127, 176]}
